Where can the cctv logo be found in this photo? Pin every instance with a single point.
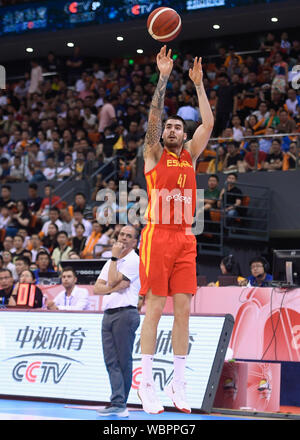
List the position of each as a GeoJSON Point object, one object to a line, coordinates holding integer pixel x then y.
{"type": "Point", "coordinates": [40, 372]}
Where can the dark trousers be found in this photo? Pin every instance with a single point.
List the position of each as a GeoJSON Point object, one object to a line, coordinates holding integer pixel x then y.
{"type": "Point", "coordinates": [118, 334]}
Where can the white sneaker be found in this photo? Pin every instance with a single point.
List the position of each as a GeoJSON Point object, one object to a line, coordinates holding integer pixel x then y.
{"type": "Point", "coordinates": [176, 392]}
{"type": "Point", "coordinates": [149, 399]}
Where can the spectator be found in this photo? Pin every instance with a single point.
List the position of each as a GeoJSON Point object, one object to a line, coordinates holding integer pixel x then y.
{"type": "Point", "coordinates": [35, 245]}
{"type": "Point", "coordinates": [230, 198]}
{"type": "Point", "coordinates": [22, 215]}
{"type": "Point", "coordinates": [265, 143]}
{"type": "Point", "coordinates": [259, 276]}
{"type": "Point", "coordinates": [4, 217]}
{"type": "Point", "coordinates": [27, 277]}
{"type": "Point", "coordinates": [211, 195]}
{"type": "Point", "coordinates": [49, 240]}
{"type": "Point", "coordinates": [79, 240]}
{"type": "Point", "coordinates": [53, 218]}
{"type": "Point", "coordinates": [21, 263]}
{"type": "Point", "coordinates": [107, 113]}
{"type": "Point", "coordinates": [224, 103]}
{"type": "Point", "coordinates": [74, 66]}
{"type": "Point", "coordinates": [8, 243]}
{"type": "Point", "coordinates": [8, 264]}
{"type": "Point", "coordinates": [286, 124]}
{"type": "Point", "coordinates": [19, 172]}
{"type": "Point", "coordinates": [229, 266]}
{"type": "Point", "coordinates": [49, 200]}
{"type": "Point", "coordinates": [291, 156]}
{"type": "Point", "coordinates": [36, 78]}
{"type": "Point", "coordinates": [79, 218]}
{"type": "Point", "coordinates": [280, 74]}
{"type": "Point", "coordinates": [5, 198]}
{"type": "Point", "coordinates": [255, 159]}
{"type": "Point", "coordinates": [43, 262]}
{"type": "Point", "coordinates": [61, 252]}
{"type": "Point", "coordinates": [33, 201]}
{"type": "Point", "coordinates": [274, 159]}
{"type": "Point", "coordinates": [72, 297]}
{"type": "Point", "coordinates": [6, 286]}
{"type": "Point", "coordinates": [50, 171]}
{"type": "Point", "coordinates": [188, 111]}
{"type": "Point", "coordinates": [88, 251]}
{"type": "Point", "coordinates": [18, 248]}
{"type": "Point", "coordinates": [233, 159]}
{"type": "Point", "coordinates": [216, 165]}
{"type": "Point", "coordinates": [238, 129]}
{"type": "Point", "coordinates": [292, 102]}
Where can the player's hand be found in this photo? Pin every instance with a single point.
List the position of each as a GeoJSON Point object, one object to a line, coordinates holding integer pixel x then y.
{"type": "Point", "coordinates": [196, 73]}
{"type": "Point", "coordinates": [164, 61]}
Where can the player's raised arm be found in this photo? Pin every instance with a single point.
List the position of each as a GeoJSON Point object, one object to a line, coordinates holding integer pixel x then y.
{"type": "Point", "coordinates": [165, 65]}
{"type": "Point", "coordinates": [201, 136]}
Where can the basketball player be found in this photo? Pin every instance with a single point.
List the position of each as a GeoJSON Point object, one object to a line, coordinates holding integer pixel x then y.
{"type": "Point", "coordinates": [168, 251]}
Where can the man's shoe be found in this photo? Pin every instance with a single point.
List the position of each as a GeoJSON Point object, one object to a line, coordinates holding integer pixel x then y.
{"type": "Point", "coordinates": [149, 399]}
{"type": "Point", "coordinates": [176, 392]}
{"type": "Point", "coordinates": [112, 410]}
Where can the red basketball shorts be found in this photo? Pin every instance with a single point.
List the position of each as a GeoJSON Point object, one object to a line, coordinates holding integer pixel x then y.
{"type": "Point", "coordinates": [167, 261]}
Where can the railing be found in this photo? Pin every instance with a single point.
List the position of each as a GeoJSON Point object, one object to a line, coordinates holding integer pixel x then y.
{"type": "Point", "coordinates": [250, 222]}
{"type": "Point", "coordinates": [216, 142]}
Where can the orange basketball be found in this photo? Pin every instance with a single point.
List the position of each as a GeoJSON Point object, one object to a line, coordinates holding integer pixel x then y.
{"type": "Point", "coordinates": [164, 24]}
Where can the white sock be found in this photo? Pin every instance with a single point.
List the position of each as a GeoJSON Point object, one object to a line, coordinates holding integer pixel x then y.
{"type": "Point", "coordinates": [147, 361]}
{"type": "Point", "coordinates": [179, 368]}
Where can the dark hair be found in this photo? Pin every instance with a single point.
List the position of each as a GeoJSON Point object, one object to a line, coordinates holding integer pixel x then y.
{"type": "Point", "coordinates": [18, 235]}
{"type": "Point", "coordinates": [178, 118]}
{"type": "Point", "coordinates": [53, 208]}
{"type": "Point", "coordinates": [80, 194]}
{"type": "Point", "coordinates": [43, 253]}
{"type": "Point", "coordinates": [233, 174]}
{"type": "Point", "coordinates": [24, 259]}
{"type": "Point", "coordinates": [234, 143]}
{"type": "Point", "coordinates": [69, 269]}
{"type": "Point", "coordinates": [31, 272]}
{"type": "Point", "coordinates": [62, 233]}
{"type": "Point", "coordinates": [33, 186]}
{"type": "Point", "coordinates": [6, 270]}
{"type": "Point", "coordinates": [215, 176]}
{"type": "Point", "coordinates": [80, 224]}
{"type": "Point", "coordinates": [261, 260]}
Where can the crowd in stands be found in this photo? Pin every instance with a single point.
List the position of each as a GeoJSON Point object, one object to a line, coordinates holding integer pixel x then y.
{"type": "Point", "coordinates": [70, 123]}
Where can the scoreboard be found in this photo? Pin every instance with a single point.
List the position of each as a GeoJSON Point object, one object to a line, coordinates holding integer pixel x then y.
{"type": "Point", "coordinates": [57, 15]}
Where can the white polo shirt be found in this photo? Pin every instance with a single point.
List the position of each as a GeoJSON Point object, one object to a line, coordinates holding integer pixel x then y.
{"type": "Point", "coordinates": [78, 300]}
{"type": "Point", "coordinates": [128, 266]}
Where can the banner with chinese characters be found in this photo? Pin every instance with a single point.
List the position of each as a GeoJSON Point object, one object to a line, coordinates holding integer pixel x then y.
{"type": "Point", "coordinates": [59, 355]}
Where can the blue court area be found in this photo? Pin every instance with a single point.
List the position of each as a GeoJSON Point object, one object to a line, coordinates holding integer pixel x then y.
{"type": "Point", "coordinates": [31, 410]}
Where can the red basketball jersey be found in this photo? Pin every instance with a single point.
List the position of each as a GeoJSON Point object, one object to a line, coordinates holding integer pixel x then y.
{"type": "Point", "coordinates": [171, 187]}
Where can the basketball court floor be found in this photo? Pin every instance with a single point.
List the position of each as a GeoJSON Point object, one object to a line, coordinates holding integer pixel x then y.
{"type": "Point", "coordinates": [34, 410]}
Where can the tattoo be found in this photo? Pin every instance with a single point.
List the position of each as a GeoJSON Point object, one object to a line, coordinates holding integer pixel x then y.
{"type": "Point", "coordinates": [155, 115]}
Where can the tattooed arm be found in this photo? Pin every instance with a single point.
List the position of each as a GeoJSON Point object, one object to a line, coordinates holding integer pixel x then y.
{"type": "Point", "coordinates": [152, 147]}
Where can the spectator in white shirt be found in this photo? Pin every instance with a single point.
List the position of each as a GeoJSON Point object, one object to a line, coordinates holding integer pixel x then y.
{"type": "Point", "coordinates": [54, 218]}
{"type": "Point", "coordinates": [78, 218]}
{"type": "Point", "coordinates": [50, 170]}
{"type": "Point", "coordinates": [72, 297]}
{"type": "Point", "coordinates": [292, 102]}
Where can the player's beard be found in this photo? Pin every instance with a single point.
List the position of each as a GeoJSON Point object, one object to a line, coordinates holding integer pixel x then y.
{"type": "Point", "coordinates": [173, 145]}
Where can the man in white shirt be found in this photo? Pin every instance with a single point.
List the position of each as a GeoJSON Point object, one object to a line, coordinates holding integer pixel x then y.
{"type": "Point", "coordinates": [72, 297]}
{"type": "Point", "coordinates": [53, 218]}
{"type": "Point", "coordinates": [119, 282]}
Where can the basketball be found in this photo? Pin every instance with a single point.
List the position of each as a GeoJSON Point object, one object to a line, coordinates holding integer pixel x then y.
{"type": "Point", "coordinates": [164, 24]}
